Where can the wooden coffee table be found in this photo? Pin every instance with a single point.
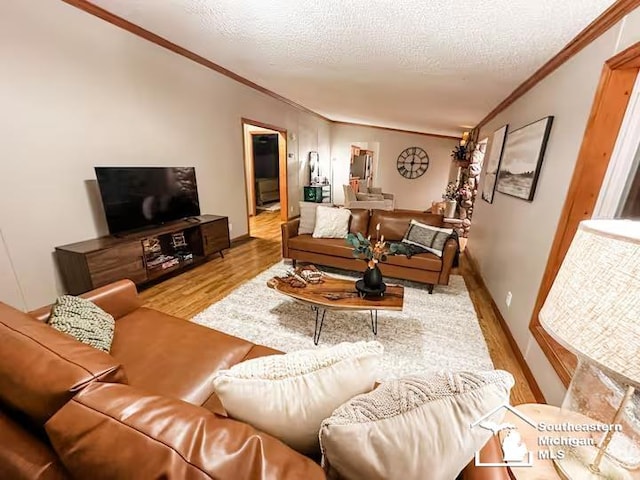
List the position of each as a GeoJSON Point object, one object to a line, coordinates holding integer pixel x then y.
{"type": "Point", "coordinates": [338, 294]}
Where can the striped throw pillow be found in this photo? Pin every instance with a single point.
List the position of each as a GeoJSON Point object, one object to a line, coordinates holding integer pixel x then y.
{"type": "Point", "coordinates": [431, 238]}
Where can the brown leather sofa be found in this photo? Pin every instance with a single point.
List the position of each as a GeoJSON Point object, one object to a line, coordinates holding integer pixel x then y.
{"type": "Point", "coordinates": [335, 252]}
{"type": "Point", "coordinates": [146, 410]}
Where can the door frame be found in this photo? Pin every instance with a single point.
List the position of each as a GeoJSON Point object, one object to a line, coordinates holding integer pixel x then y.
{"type": "Point", "coordinates": [617, 79]}
{"type": "Point", "coordinates": [282, 166]}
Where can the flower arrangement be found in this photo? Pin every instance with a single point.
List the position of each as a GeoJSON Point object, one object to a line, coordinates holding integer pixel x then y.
{"type": "Point", "coordinates": [465, 192]}
{"type": "Point", "coordinates": [372, 253]}
{"type": "Point", "coordinates": [460, 153]}
{"type": "Point", "coordinates": [451, 193]}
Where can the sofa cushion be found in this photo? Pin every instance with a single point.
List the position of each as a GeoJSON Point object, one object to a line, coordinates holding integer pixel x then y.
{"type": "Point", "coordinates": [359, 221]}
{"type": "Point", "coordinates": [307, 217]}
{"type": "Point", "coordinates": [117, 431]}
{"type": "Point", "coordinates": [427, 237]}
{"type": "Point", "coordinates": [394, 224]}
{"type": "Point", "coordinates": [170, 356]}
{"type": "Point", "coordinates": [289, 395]}
{"type": "Point", "coordinates": [421, 261]}
{"type": "Point", "coordinates": [375, 435]}
{"type": "Point", "coordinates": [83, 320]}
{"type": "Point", "coordinates": [336, 247]}
{"type": "Point", "coordinates": [42, 368]}
{"type": "Point", "coordinates": [331, 222]}
{"type": "Point", "coordinates": [24, 455]}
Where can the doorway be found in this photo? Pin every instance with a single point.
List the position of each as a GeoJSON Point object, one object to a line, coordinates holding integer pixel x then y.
{"type": "Point", "coordinates": [265, 164]}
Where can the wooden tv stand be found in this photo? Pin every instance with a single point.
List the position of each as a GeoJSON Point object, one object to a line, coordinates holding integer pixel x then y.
{"type": "Point", "coordinates": [99, 261]}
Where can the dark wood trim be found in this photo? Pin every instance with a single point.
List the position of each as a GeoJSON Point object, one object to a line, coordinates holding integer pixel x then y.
{"type": "Point", "coordinates": [268, 126]}
{"type": "Point", "coordinates": [604, 22]}
{"type": "Point", "coordinates": [475, 271]}
{"type": "Point", "coordinates": [164, 43]}
{"type": "Point", "coordinates": [399, 130]}
{"type": "Point", "coordinates": [603, 126]}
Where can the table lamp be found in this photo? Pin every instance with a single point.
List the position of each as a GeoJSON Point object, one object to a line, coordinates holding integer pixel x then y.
{"type": "Point", "coordinates": [593, 309]}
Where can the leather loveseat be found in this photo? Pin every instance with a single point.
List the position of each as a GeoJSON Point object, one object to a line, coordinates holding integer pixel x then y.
{"type": "Point", "coordinates": [335, 252]}
{"type": "Point", "coordinates": [146, 410]}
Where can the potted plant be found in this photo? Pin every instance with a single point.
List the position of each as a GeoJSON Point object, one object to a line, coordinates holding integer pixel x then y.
{"type": "Point", "coordinates": [460, 155]}
{"type": "Point", "coordinates": [373, 253]}
{"type": "Point", "coordinates": [450, 196]}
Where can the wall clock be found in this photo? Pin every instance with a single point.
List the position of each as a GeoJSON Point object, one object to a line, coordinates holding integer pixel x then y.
{"type": "Point", "coordinates": [413, 162]}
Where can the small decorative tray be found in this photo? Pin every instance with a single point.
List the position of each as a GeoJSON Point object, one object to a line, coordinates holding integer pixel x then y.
{"type": "Point", "coordinates": [303, 276]}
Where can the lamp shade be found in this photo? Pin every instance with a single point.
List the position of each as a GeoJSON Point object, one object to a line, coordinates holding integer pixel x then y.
{"type": "Point", "coordinates": [593, 308]}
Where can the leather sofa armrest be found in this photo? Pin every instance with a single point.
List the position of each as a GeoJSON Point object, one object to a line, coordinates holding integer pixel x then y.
{"type": "Point", "coordinates": [448, 256]}
{"type": "Point", "coordinates": [176, 440]}
{"type": "Point", "coordinates": [118, 299]}
{"type": "Point", "coordinates": [490, 453]}
{"type": "Point", "coordinates": [289, 230]}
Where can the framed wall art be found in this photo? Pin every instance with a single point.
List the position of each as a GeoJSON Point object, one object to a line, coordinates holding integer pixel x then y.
{"type": "Point", "coordinates": [493, 163]}
{"type": "Point", "coordinates": [522, 158]}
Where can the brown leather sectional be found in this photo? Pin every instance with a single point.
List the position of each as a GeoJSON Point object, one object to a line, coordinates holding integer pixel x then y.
{"type": "Point", "coordinates": [147, 410]}
{"type": "Point", "coordinates": [335, 252]}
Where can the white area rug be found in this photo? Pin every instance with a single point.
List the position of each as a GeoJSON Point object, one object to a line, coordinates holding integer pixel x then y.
{"type": "Point", "coordinates": [432, 333]}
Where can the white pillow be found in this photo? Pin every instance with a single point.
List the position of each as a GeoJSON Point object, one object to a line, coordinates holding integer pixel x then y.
{"type": "Point", "coordinates": [289, 395]}
{"type": "Point", "coordinates": [307, 217]}
{"type": "Point", "coordinates": [414, 425]}
{"type": "Point", "coordinates": [331, 222]}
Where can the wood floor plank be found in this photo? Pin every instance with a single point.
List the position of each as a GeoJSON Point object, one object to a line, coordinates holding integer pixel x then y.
{"type": "Point", "coordinates": [191, 292]}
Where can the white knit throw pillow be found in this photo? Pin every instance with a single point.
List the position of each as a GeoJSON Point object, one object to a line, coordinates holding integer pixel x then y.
{"type": "Point", "coordinates": [289, 395]}
{"type": "Point", "coordinates": [420, 426]}
{"type": "Point", "coordinates": [331, 222]}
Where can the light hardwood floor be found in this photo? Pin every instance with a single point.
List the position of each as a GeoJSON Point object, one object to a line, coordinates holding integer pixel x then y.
{"type": "Point", "coordinates": [191, 292]}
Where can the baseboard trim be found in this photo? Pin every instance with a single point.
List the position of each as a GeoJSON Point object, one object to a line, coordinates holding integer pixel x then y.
{"type": "Point", "coordinates": [535, 388]}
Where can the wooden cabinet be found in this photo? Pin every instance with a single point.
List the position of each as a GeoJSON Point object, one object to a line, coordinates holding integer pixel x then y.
{"type": "Point", "coordinates": [122, 261]}
{"type": "Point", "coordinates": [93, 263]}
{"type": "Point", "coordinates": [215, 236]}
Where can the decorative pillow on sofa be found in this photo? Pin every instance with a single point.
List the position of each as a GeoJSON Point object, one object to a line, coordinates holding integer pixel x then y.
{"type": "Point", "coordinates": [307, 217]}
{"type": "Point", "coordinates": [431, 238]}
{"type": "Point", "coordinates": [414, 425]}
{"type": "Point", "coordinates": [331, 222]}
{"type": "Point", "coordinates": [83, 320]}
{"type": "Point", "coordinates": [288, 396]}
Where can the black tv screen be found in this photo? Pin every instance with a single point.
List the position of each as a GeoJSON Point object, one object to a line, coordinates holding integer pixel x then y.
{"type": "Point", "coordinates": [136, 197]}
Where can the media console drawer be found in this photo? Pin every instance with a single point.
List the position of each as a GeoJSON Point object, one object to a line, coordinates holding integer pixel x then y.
{"type": "Point", "coordinates": [93, 263]}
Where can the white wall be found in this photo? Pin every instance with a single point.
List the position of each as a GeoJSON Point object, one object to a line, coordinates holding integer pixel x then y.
{"type": "Point", "coordinates": [511, 238]}
{"type": "Point", "coordinates": [416, 194]}
{"type": "Point", "coordinates": [77, 92]}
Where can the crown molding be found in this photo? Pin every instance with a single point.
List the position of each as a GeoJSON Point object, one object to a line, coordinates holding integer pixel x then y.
{"type": "Point", "coordinates": [604, 22]}
{"type": "Point", "coordinates": [130, 27]}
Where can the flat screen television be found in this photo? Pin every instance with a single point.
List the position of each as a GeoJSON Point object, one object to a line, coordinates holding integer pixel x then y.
{"type": "Point", "coordinates": [137, 197]}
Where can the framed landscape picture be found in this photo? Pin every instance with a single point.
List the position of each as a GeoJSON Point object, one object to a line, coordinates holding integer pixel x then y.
{"type": "Point", "coordinates": [522, 158]}
{"type": "Point", "coordinates": [493, 163]}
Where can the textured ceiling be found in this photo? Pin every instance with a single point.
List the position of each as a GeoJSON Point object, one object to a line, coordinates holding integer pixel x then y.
{"type": "Point", "coordinates": [426, 65]}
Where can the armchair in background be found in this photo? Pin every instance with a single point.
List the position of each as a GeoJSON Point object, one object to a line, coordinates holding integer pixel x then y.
{"type": "Point", "coordinates": [374, 199]}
